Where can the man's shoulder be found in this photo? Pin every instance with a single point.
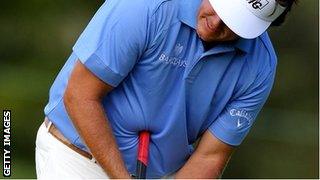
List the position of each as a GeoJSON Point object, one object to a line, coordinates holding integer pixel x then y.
{"type": "Point", "coordinates": [158, 10]}
{"type": "Point", "coordinates": [138, 5]}
{"type": "Point", "coordinates": [260, 64]}
{"type": "Point", "coordinates": [269, 51]}
{"type": "Point", "coordinates": [155, 5]}
{"type": "Point", "coordinates": [263, 56]}
{"type": "Point", "coordinates": [260, 61]}
{"type": "Point", "coordinates": [136, 13]}
{"type": "Point", "coordinates": [265, 40]}
{"type": "Point", "coordinates": [165, 7]}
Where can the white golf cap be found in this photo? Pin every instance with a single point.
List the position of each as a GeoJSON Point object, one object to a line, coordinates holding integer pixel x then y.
{"type": "Point", "coordinates": [247, 18]}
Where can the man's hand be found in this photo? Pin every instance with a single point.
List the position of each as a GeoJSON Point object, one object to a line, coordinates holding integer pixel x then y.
{"type": "Point", "coordinates": [82, 100]}
{"type": "Point", "coordinates": [208, 160]}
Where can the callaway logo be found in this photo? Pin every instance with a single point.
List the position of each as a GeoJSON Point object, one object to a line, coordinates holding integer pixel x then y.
{"type": "Point", "coordinates": [239, 124]}
{"type": "Point", "coordinates": [244, 117]}
{"type": "Point", "coordinates": [258, 4]}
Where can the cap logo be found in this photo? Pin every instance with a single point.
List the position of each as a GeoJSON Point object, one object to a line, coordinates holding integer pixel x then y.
{"type": "Point", "coordinates": [258, 4]}
{"type": "Point", "coordinates": [267, 10]}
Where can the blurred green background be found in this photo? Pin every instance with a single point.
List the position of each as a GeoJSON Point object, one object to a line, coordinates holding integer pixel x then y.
{"type": "Point", "coordinates": [36, 37]}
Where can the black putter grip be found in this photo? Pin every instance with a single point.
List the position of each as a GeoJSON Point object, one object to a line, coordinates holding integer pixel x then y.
{"type": "Point", "coordinates": [141, 170]}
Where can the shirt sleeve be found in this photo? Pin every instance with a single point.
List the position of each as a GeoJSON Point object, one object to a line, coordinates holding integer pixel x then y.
{"type": "Point", "coordinates": [114, 39]}
{"type": "Point", "coordinates": [235, 121]}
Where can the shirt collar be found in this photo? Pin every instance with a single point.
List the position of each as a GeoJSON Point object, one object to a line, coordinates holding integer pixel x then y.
{"type": "Point", "coordinates": [188, 10]}
{"type": "Point", "coordinates": [244, 44]}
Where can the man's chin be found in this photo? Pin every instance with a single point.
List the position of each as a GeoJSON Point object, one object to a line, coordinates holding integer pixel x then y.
{"type": "Point", "coordinates": [205, 37]}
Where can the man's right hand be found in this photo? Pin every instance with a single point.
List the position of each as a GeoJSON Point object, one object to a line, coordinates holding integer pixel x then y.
{"type": "Point", "coordinates": [82, 100]}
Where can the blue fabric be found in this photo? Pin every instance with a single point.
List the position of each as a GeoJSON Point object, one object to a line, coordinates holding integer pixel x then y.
{"type": "Point", "coordinates": [165, 82]}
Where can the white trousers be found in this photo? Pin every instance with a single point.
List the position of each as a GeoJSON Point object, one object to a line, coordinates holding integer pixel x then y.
{"type": "Point", "coordinates": [55, 160]}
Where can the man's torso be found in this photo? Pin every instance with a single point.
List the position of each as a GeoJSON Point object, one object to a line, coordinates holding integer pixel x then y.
{"type": "Point", "coordinates": [175, 90]}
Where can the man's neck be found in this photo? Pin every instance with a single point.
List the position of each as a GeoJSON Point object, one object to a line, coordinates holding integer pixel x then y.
{"type": "Point", "coordinates": [209, 45]}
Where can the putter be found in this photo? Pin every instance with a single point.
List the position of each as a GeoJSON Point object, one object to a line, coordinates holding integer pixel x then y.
{"type": "Point", "coordinates": [143, 152]}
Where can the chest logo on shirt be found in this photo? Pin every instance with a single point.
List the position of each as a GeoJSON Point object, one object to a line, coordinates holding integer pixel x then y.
{"type": "Point", "coordinates": [174, 59]}
{"type": "Point", "coordinates": [178, 49]}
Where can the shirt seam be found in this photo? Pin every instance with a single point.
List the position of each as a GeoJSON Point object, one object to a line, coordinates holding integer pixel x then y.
{"type": "Point", "coordinates": [55, 105]}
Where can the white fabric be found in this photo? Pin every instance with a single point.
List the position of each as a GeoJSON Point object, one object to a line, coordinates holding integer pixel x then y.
{"type": "Point", "coordinates": [267, 10]}
{"type": "Point", "coordinates": [245, 19]}
{"type": "Point", "coordinates": [54, 160]}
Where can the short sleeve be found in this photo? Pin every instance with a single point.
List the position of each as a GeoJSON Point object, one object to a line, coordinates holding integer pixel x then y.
{"type": "Point", "coordinates": [114, 39]}
{"type": "Point", "coordinates": [235, 121]}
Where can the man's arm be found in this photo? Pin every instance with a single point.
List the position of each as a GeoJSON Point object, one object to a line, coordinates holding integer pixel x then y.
{"type": "Point", "coordinates": [208, 160]}
{"type": "Point", "coordinates": [82, 99]}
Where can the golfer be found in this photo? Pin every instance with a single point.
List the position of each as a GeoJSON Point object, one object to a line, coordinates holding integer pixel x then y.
{"type": "Point", "coordinates": [183, 70]}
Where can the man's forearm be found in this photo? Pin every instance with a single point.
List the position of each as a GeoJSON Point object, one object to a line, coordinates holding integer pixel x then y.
{"type": "Point", "coordinates": [209, 159]}
{"type": "Point", "coordinates": [89, 118]}
{"type": "Point", "coordinates": [202, 167]}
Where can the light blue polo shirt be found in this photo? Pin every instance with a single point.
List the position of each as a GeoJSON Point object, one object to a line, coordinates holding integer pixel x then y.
{"type": "Point", "coordinates": [165, 82]}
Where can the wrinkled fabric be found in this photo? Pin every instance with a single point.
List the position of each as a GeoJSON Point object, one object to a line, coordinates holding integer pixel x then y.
{"type": "Point", "coordinates": [54, 160]}
{"type": "Point", "coordinates": [165, 81]}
